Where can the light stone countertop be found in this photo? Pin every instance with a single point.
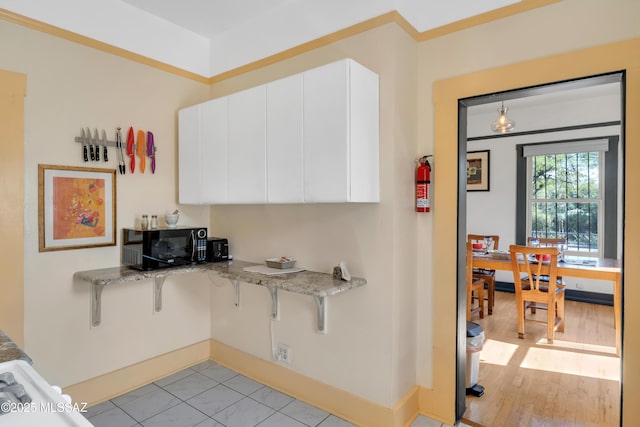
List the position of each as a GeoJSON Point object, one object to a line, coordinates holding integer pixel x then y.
{"type": "Point", "coordinates": [304, 282]}
{"type": "Point", "coordinates": [9, 350]}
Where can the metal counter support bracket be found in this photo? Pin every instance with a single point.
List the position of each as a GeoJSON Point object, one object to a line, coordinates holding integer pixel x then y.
{"type": "Point", "coordinates": [158, 281]}
{"type": "Point", "coordinates": [96, 302]}
{"type": "Point", "coordinates": [275, 306]}
{"type": "Point", "coordinates": [236, 291]}
{"type": "Point", "coordinates": [321, 306]}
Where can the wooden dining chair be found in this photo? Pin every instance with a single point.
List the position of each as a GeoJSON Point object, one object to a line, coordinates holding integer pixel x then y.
{"type": "Point", "coordinates": [489, 276]}
{"type": "Point", "coordinates": [547, 242]}
{"type": "Point", "coordinates": [533, 291]}
{"type": "Point", "coordinates": [474, 285]}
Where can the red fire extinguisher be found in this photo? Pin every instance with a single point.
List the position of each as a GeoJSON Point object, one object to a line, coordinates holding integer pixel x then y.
{"type": "Point", "coordinates": [423, 178]}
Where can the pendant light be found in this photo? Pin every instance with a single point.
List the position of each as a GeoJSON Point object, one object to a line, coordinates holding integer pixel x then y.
{"type": "Point", "coordinates": [503, 124]}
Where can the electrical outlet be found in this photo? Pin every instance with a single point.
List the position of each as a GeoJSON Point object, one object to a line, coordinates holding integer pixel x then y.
{"type": "Point", "coordinates": [284, 353]}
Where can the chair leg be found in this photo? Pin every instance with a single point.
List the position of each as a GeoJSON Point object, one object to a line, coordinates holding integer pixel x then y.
{"type": "Point", "coordinates": [481, 300]}
{"type": "Point", "coordinates": [560, 309]}
{"type": "Point", "coordinates": [491, 288]}
{"type": "Point", "coordinates": [551, 323]}
{"type": "Point", "coordinates": [521, 310]}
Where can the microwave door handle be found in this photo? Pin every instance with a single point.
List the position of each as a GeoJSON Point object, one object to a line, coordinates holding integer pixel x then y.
{"type": "Point", "coordinates": [193, 246]}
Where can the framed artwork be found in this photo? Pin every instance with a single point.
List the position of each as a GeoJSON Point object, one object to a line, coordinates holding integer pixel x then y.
{"type": "Point", "coordinates": [76, 207]}
{"type": "Point", "coordinates": [478, 170]}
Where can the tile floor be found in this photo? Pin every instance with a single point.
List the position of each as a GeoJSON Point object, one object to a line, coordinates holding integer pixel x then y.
{"type": "Point", "coordinates": [210, 395]}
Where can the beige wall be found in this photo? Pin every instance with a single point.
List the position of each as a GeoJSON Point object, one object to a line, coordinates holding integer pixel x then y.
{"type": "Point", "coordinates": [369, 348]}
{"type": "Point", "coordinates": [70, 86]}
{"type": "Point", "coordinates": [529, 36]}
{"type": "Point", "coordinates": [382, 338]}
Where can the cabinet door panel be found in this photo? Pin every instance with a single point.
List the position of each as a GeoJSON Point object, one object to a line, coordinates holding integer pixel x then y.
{"type": "Point", "coordinates": [325, 133]}
{"type": "Point", "coordinates": [247, 157]}
{"type": "Point", "coordinates": [215, 151]}
{"type": "Point", "coordinates": [364, 135]}
{"type": "Point", "coordinates": [189, 155]}
{"type": "Point", "coordinates": [284, 140]}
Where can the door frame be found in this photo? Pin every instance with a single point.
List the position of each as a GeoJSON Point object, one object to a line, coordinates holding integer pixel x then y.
{"type": "Point", "coordinates": [13, 89]}
{"type": "Point", "coordinates": [575, 64]}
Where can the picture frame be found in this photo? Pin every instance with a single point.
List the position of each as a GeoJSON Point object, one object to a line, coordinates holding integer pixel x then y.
{"type": "Point", "coordinates": [478, 170]}
{"type": "Point", "coordinates": [76, 207]}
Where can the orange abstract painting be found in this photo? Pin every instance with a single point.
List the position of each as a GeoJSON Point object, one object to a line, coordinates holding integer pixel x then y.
{"type": "Point", "coordinates": [79, 207]}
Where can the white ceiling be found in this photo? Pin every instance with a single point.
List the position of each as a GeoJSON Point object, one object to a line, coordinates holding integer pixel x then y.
{"type": "Point", "coordinates": [209, 37]}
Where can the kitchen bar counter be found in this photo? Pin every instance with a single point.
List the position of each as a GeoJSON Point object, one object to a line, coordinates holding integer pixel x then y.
{"type": "Point", "coordinates": [318, 285]}
{"type": "Point", "coordinates": [10, 350]}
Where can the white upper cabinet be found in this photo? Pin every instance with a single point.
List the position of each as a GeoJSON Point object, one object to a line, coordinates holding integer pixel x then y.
{"type": "Point", "coordinates": [309, 138]}
{"type": "Point", "coordinates": [202, 157]}
{"type": "Point", "coordinates": [341, 123]}
{"type": "Point", "coordinates": [284, 140]}
{"type": "Point", "coordinates": [247, 146]}
{"type": "Point", "coordinates": [214, 151]}
{"type": "Point", "coordinates": [189, 182]}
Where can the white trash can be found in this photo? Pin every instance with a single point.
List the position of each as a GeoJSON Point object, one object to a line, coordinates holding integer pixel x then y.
{"type": "Point", "coordinates": [475, 340]}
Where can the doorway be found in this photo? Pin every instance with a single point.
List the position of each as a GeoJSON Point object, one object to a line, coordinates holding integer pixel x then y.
{"type": "Point", "coordinates": [538, 99]}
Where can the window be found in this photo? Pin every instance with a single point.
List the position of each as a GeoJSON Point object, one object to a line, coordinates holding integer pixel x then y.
{"type": "Point", "coordinates": [565, 199]}
{"type": "Point", "coordinates": [567, 194]}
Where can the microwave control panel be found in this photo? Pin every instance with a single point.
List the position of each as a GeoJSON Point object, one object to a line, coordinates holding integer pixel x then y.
{"type": "Point", "coordinates": [201, 250]}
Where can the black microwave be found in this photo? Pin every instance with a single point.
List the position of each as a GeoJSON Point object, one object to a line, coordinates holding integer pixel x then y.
{"type": "Point", "coordinates": [163, 247]}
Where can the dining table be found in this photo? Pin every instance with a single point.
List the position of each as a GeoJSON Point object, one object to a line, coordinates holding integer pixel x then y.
{"type": "Point", "coordinates": [582, 267]}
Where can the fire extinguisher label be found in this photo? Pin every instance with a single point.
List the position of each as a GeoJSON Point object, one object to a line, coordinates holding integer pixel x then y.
{"type": "Point", "coordinates": [421, 196]}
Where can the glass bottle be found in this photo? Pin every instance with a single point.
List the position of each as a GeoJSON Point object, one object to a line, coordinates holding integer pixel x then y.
{"type": "Point", "coordinates": [144, 223]}
{"type": "Point", "coordinates": [154, 222]}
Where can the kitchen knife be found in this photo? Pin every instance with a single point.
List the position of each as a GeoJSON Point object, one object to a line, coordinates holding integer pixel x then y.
{"type": "Point", "coordinates": [130, 153]}
{"type": "Point", "coordinates": [151, 151]}
{"type": "Point", "coordinates": [104, 141]}
{"type": "Point", "coordinates": [96, 139]}
{"type": "Point", "coordinates": [141, 147]}
{"type": "Point", "coordinates": [91, 154]}
{"type": "Point", "coordinates": [120, 152]}
{"type": "Point", "coordinates": [84, 145]}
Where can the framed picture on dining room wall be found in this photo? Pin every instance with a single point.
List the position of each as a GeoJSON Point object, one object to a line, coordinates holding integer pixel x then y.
{"type": "Point", "coordinates": [76, 207]}
{"type": "Point", "coordinates": [478, 170]}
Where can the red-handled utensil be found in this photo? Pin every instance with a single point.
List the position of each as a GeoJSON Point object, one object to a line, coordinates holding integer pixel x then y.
{"type": "Point", "coordinates": [151, 151]}
{"type": "Point", "coordinates": [130, 153]}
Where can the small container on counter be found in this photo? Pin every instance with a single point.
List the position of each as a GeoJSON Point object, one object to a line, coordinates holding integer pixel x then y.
{"type": "Point", "coordinates": [154, 222]}
{"type": "Point", "coordinates": [144, 223]}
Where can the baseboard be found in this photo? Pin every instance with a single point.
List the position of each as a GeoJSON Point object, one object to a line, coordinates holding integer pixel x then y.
{"type": "Point", "coordinates": [112, 384]}
{"type": "Point", "coordinates": [570, 294]}
{"type": "Point", "coordinates": [343, 404]}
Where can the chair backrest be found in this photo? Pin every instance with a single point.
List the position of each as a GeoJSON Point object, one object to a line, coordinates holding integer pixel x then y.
{"type": "Point", "coordinates": [534, 273]}
{"type": "Point", "coordinates": [546, 241]}
{"type": "Point", "coordinates": [479, 238]}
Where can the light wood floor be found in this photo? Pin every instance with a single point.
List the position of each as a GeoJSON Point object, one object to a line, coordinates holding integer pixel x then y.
{"type": "Point", "coordinates": [573, 382]}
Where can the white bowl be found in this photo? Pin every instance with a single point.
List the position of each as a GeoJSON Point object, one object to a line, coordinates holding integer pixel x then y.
{"type": "Point", "coordinates": [171, 220]}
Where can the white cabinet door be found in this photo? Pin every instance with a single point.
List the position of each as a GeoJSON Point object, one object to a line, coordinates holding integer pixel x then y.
{"type": "Point", "coordinates": [284, 140]}
{"type": "Point", "coordinates": [326, 133]}
{"type": "Point", "coordinates": [341, 134]}
{"type": "Point", "coordinates": [364, 134]}
{"type": "Point", "coordinates": [247, 146]}
{"type": "Point", "coordinates": [214, 151]}
{"type": "Point", "coordinates": [189, 182]}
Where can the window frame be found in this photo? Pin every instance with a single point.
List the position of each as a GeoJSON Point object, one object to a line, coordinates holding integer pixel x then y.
{"type": "Point", "coordinates": [607, 223]}
{"type": "Point", "coordinates": [600, 201]}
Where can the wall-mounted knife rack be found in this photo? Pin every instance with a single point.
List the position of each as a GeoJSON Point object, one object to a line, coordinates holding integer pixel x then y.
{"type": "Point", "coordinates": [102, 142]}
